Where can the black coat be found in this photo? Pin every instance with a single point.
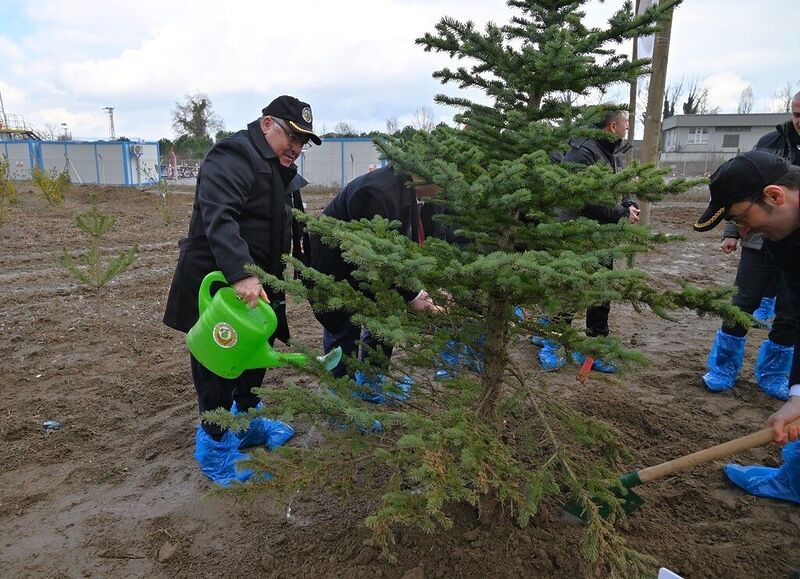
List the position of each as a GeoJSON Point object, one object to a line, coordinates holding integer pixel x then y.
{"type": "Point", "coordinates": [383, 193]}
{"type": "Point", "coordinates": [588, 151]}
{"type": "Point", "coordinates": [241, 215]}
{"type": "Point", "coordinates": [784, 253]}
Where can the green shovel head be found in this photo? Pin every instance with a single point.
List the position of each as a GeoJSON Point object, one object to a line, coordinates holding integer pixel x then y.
{"type": "Point", "coordinates": [576, 512]}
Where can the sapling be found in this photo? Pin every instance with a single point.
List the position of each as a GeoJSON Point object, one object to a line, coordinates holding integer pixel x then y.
{"type": "Point", "coordinates": [8, 191]}
{"type": "Point", "coordinates": [94, 271]}
{"type": "Point", "coordinates": [52, 184]}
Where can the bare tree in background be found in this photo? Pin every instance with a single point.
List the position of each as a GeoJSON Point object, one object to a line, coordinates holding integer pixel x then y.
{"type": "Point", "coordinates": [391, 125]}
{"type": "Point", "coordinates": [195, 117]}
{"type": "Point", "coordinates": [49, 131]}
{"type": "Point", "coordinates": [671, 96]}
{"type": "Point", "coordinates": [745, 101]}
{"type": "Point", "coordinates": [344, 130]}
{"type": "Point", "coordinates": [423, 119]}
{"type": "Point", "coordinates": [782, 99]}
{"type": "Point", "coordinates": [697, 101]}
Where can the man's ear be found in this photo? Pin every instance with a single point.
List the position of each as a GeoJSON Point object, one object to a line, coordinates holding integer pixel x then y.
{"type": "Point", "coordinates": [266, 122]}
{"type": "Point", "coordinates": [775, 193]}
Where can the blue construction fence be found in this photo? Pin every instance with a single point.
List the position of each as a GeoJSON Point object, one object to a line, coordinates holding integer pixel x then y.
{"type": "Point", "coordinates": [100, 162]}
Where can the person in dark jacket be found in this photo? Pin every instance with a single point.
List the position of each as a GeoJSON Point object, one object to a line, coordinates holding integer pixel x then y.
{"type": "Point", "coordinates": [760, 192]}
{"type": "Point", "coordinates": [757, 276]}
{"type": "Point", "coordinates": [241, 215]}
{"type": "Point", "coordinates": [592, 151]}
{"type": "Point", "coordinates": [385, 193]}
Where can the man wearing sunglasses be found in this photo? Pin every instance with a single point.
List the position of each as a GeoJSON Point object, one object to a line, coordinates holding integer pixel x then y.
{"type": "Point", "coordinates": [760, 192]}
{"type": "Point", "coordinates": [241, 215]}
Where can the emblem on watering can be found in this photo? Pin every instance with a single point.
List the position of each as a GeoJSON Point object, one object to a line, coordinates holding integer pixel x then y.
{"type": "Point", "coordinates": [224, 335]}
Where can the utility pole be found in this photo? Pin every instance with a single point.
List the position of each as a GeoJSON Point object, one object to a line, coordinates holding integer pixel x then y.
{"type": "Point", "coordinates": [3, 111]}
{"type": "Point", "coordinates": [655, 99]}
{"type": "Point", "coordinates": [110, 111]}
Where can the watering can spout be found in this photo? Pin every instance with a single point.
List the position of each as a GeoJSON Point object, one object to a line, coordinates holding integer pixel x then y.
{"type": "Point", "coordinates": [270, 359]}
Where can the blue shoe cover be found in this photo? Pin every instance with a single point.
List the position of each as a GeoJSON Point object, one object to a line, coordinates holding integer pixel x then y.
{"type": "Point", "coordinates": [519, 313]}
{"type": "Point", "coordinates": [539, 340]}
{"type": "Point", "coordinates": [551, 356]}
{"type": "Point", "coordinates": [376, 393]}
{"type": "Point", "coordinates": [263, 431]}
{"type": "Point", "coordinates": [772, 369]}
{"type": "Point", "coordinates": [765, 312]}
{"type": "Point", "coordinates": [447, 361]}
{"type": "Point", "coordinates": [781, 483]}
{"type": "Point", "coordinates": [597, 365]}
{"type": "Point", "coordinates": [218, 459]}
{"type": "Point", "coordinates": [472, 357]}
{"type": "Point", "coordinates": [724, 361]}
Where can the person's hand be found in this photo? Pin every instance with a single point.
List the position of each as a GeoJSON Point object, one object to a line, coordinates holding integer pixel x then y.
{"type": "Point", "coordinates": [787, 413]}
{"type": "Point", "coordinates": [633, 214]}
{"type": "Point", "coordinates": [249, 290]}
{"type": "Point", "coordinates": [728, 244]}
{"type": "Point", "coordinates": [424, 303]}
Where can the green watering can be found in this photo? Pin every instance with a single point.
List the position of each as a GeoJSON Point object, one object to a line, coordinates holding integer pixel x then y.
{"type": "Point", "coordinates": [231, 337]}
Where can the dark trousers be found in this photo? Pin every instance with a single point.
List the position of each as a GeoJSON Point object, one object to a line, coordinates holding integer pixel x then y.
{"type": "Point", "coordinates": [596, 316]}
{"type": "Point", "coordinates": [216, 392]}
{"type": "Point", "coordinates": [346, 336]}
{"type": "Point", "coordinates": [755, 276]}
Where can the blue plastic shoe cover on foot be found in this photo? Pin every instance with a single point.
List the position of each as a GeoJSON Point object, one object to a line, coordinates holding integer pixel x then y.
{"type": "Point", "coordinates": [781, 483]}
{"type": "Point", "coordinates": [448, 360]}
{"type": "Point", "coordinates": [551, 356]}
{"type": "Point", "coordinates": [598, 365]}
{"type": "Point", "coordinates": [218, 459]}
{"type": "Point", "coordinates": [263, 431]}
{"type": "Point", "coordinates": [765, 311]}
{"type": "Point", "coordinates": [375, 392]}
{"type": "Point", "coordinates": [724, 361]}
{"type": "Point", "coordinates": [772, 369]}
{"type": "Point", "coordinates": [539, 340]}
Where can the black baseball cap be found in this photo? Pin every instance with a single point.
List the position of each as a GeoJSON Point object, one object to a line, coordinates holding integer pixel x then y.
{"type": "Point", "coordinates": [738, 179]}
{"type": "Point", "coordinates": [295, 112]}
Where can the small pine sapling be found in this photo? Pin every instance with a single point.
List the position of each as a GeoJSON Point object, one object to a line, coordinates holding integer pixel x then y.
{"type": "Point", "coordinates": [52, 184]}
{"type": "Point", "coordinates": [165, 190]}
{"type": "Point", "coordinates": [95, 272]}
{"type": "Point", "coordinates": [8, 191]}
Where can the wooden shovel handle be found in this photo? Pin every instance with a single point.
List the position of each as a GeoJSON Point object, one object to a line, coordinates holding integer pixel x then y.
{"type": "Point", "coordinates": [754, 440]}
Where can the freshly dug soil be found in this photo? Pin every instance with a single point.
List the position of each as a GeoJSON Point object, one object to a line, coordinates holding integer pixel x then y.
{"type": "Point", "coordinates": [115, 491]}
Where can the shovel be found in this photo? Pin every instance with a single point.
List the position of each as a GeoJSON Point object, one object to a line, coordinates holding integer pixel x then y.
{"type": "Point", "coordinates": [575, 512]}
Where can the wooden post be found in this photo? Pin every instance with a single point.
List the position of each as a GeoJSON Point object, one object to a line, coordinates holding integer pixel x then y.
{"type": "Point", "coordinates": [655, 100]}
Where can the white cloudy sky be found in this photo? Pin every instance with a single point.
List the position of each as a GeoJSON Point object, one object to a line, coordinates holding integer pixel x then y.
{"type": "Point", "coordinates": [62, 61]}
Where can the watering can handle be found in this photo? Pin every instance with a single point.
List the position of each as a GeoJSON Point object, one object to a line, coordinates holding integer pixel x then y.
{"type": "Point", "coordinates": [204, 296]}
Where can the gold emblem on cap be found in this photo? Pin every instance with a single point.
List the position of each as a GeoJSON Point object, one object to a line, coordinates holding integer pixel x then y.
{"type": "Point", "coordinates": [306, 114]}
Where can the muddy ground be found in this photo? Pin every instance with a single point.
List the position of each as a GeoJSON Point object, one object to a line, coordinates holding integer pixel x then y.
{"type": "Point", "coordinates": [115, 491]}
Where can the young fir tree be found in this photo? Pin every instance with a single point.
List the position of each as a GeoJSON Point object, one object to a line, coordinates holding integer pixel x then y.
{"type": "Point", "coordinates": [497, 437]}
{"type": "Point", "coordinates": [8, 191]}
{"type": "Point", "coordinates": [95, 271]}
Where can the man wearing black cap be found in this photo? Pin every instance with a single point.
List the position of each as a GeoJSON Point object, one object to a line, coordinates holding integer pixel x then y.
{"type": "Point", "coordinates": [241, 215]}
{"type": "Point", "coordinates": [760, 192]}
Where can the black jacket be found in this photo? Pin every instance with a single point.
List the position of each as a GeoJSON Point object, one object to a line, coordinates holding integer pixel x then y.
{"type": "Point", "coordinates": [383, 193]}
{"type": "Point", "coordinates": [241, 215]}
{"type": "Point", "coordinates": [588, 151]}
{"type": "Point", "coordinates": [784, 253]}
{"type": "Point", "coordinates": [784, 142]}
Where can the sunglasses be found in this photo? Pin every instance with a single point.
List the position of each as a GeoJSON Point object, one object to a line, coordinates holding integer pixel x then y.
{"type": "Point", "coordinates": [294, 138]}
